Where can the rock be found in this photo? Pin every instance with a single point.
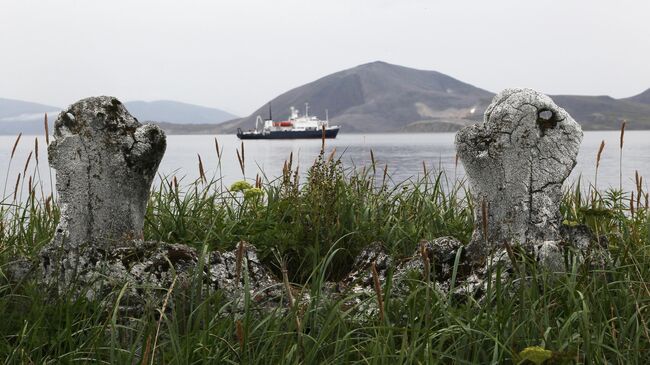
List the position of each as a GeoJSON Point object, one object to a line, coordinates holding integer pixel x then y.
{"type": "Point", "coordinates": [442, 254]}
{"type": "Point", "coordinates": [585, 246]}
{"type": "Point", "coordinates": [360, 277]}
{"type": "Point", "coordinates": [143, 271]}
{"type": "Point", "coordinates": [432, 261]}
{"type": "Point", "coordinates": [16, 271]}
{"type": "Point", "coordinates": [434, 258]}
{"type": "Point", "coordinates": [142, 268]}
{"type": "Point", "coordinates": [229, 271]}
{"type": "Point", "coordinates": [550, 255]}
{"type": "Point", "coordinates": [357, 288]}
{"type": "Point", "coordinates": [516, 162]}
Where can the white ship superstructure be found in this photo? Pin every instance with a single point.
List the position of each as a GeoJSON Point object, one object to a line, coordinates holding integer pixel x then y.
{"type": "Point", "coordinates": [296, 126]}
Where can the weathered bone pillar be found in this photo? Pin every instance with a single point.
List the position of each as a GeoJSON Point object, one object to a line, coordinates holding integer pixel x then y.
{"type": "Point", "coordinates": [105, 161]}
{"type": "Point", "coordinates": [516, 162]}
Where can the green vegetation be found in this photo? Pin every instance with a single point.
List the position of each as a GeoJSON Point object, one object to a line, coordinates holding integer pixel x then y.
{"type": "Point", "coordinates": [318, 225]}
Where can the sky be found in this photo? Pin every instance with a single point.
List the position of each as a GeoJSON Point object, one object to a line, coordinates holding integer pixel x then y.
{"type": "Point", "coordinates": [236, 55]}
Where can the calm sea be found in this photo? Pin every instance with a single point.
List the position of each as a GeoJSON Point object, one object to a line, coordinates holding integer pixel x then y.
{"type": "Point", "coordinates": [404, 154]}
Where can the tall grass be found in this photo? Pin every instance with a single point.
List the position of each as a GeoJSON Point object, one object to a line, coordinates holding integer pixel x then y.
{"type": "Point", "coordinates": [303, 219]}
{"type": "Point", "coordinates": [310, 229]}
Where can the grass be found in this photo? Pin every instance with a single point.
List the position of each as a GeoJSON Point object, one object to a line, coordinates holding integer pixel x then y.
{"type": "Point", "coordinates": [311, 229]}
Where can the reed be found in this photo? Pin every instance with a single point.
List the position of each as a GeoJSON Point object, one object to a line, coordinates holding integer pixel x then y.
{"type": "Point", "coordinates": [219, 154]}
{"type": "Point", "coordinates": [29, 158]}
{"type": "Point", "coordinates": [291, 300]}
{"type": "Point", "coordinates": [216, 147]}
{"type": "Point", "coordinates": [36, 149]}
{"type": "Point", "coordinates": [11, 158]}
{"type": "Point", "coordinates": [16, 188]}
{"type": "Point", "coordinates": [47, 144]}
{"type": "Point", "coordinates": [620, 157]}
{"type": "Point", "coordinates": [598, 155]}
{"type": "Point", "coordinates": [47, 130]}
{"type": "Point", "coordinates": [239, 333]}
{"type": "Point", "coordinates": [424, 254]}
{"type": "Point", "coordinates": [13, 149]}
{"type": "Point", "coordinates": [239, 259]}
{"type": "Point", "coordinates": [377, 287]}
{"type": "Point", "coordinates": [161, 315]}
{"type": "Point", "coordinates": [638, 180]}
{"type": "Point", "coordinates": [201, 170]}
{"type": "Point", "coordinates": [241, 159]}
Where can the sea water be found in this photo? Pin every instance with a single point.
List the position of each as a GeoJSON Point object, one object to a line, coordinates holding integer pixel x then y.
{"type": "Point", "coordinates": [406, 156]}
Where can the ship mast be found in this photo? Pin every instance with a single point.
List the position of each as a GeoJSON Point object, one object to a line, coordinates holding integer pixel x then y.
{"type": "Point", "coordinates": [306, 109]}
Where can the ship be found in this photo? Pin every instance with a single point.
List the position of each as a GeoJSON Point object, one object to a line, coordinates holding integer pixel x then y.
{"type": "Point", "coordinates": [296, 127]}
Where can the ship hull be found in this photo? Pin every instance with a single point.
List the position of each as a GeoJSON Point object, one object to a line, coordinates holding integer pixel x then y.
{"type": "Point", "coordinates": [315, 134]}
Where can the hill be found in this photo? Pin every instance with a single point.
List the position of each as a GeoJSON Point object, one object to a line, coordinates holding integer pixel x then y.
{"type": "Point", "coordinates": [176, 112]}
{"type": "Point", "coordinates": [16, 110]}
{"type": "Point", "coordinates": [174, 128]}
{"type": "Point", "coordinates": [380, 97]}
{"type": "Point", "coordinates": [22, 116]}
{"type": "Point", "coordinates": [18, 116]}
{"type": "Point", "coordinates": [605, 112]}
{"type": "Point", "coordinates": [643, 98]}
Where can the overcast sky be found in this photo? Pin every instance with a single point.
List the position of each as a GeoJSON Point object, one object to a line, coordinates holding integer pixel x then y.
{"type": "Point", "coordinates": [238, 54]}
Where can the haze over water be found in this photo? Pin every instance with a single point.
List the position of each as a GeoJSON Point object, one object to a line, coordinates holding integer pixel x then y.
{"type": "Point", "coordinates": [403, 153]}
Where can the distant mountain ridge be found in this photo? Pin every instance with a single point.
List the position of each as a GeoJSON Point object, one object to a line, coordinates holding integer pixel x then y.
{"type": "Point", "coordinates": [17, 110]}
{"type": "Point", "coordinates": [369, 98]}
{"type": "Point", "coordinates": [643, 98]}
{"type": "Point", "coordinates": [381, 97]}
{"type": "Point", "coordinates": [18, 116]}
{"type": "Point", "coordinates": [176, 112]}
{"type": "Point", "coordinates": [605, 112]}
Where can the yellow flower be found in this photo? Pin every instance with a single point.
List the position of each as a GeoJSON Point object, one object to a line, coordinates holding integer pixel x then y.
{"type": "Point", "coordinates": [569, 223]}
{"type": "Point", "coordinates": [253, 193]}
{"type": "Point", "coordinates": [240, 186]}
{"type": "Point", "coordinates": [535, 354]}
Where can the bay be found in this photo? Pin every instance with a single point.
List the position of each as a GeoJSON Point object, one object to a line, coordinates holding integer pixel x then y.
{"type": "Point", "coordinates": [404, 154]}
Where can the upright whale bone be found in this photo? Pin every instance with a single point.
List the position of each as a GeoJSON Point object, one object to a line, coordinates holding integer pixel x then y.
{"type": "Point", "coordinates": [516, 161]}
{"type": "Point", "coordinates": [105, 162]}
